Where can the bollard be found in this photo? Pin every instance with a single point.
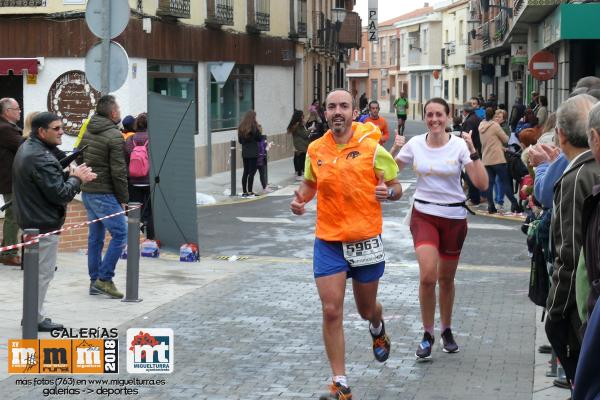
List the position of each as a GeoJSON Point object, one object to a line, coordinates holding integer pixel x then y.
{"type": "Point", "coordinates": [31, 277]}
{"type": "Point", "coordinates": [232, 165]}
{"type": "Point", "coordinates": [133, 254]}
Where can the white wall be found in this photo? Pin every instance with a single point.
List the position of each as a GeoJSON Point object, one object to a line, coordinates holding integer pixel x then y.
{"type": "Point", "coordinates": [273, 97]}
{"type": "Point", "coordinates": [131, 97]}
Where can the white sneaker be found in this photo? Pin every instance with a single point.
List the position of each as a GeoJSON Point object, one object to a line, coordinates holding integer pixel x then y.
{"type": "Point", "coordinates": [299, 178]}
{"type": "Point", "coordinates": [267, 190]}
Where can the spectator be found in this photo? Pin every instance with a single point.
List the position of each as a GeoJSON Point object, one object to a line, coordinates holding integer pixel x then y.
{"type": "Point", "coordinates": [11, 137]}
{"type": "Point", "coordinates": [476, 104]}
{"type": "Point", "coordinates": [528, 137]}
{"type": "Point", "coordinates": [128, 127]}
{"type": "Point", "coordinates": [493, 140]}
{"type": "Point", "coordinates": [27, 123]}
{"type": "Point", "coordinates": [301, 140]}
{"type": "Point", "coordinates": [138, 184]}
{"type": "Point", "coordinates": [534, 100]}
{"type": "Point", "coordinates": [106, 195]}
{"type": "Point", "coordinates": [516, 113]}
{"type": "Point", "coordinates": [471, 125]}
{"type": "Point", "coordinates": [41, 194]}
{"type": "Point", "coordinates": [249, 134]}
{"type": "Point", "coordinates": [529, 121]}
{"type": "Point", "coordinates": [315, 126]}
{"type": "Point", "coordinates": [500, 118]}
{"type": "Point", "coordinates": [363, 101]}
{"type": "Point", "coordinates": [563, 323]}
{"type": "Point", "coordinates": [542, 111]}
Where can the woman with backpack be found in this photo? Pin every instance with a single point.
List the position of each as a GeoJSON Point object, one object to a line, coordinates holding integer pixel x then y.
{"type": "Point", "coordinates": [301, 140]}
{"type": "Point", "coordinates": [138, 172]}
{"type": "Point", "coordinates": [249, 136]}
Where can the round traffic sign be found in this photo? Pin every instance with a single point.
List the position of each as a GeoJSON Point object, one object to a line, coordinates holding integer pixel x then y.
{"type": "Point", "coordinates": [118, 66]}
{"type": "Point", "coordinates": [118, 17]}
{"type": "Point", "coordinates": [543, 65]}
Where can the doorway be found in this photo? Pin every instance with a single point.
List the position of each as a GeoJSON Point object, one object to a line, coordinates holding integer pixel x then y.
{"type": "Point", "coordinates": [12, 86]}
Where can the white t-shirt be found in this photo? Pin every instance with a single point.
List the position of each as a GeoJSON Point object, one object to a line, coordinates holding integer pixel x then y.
{"type": "Point", "coordinates": [438, 174]}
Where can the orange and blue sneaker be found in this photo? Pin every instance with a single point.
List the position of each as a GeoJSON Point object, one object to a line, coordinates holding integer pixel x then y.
{"type": "Point", "coordinates": [381, 344]}
{"type": "Point", "coordinates": [337, 391]}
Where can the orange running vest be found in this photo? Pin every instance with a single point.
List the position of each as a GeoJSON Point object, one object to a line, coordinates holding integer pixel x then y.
{"type": "Point", "coordinates": [347, 209]}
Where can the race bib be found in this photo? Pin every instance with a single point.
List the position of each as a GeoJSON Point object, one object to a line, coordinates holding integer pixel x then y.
{"type": "Point", "coordinates": [364, 252]}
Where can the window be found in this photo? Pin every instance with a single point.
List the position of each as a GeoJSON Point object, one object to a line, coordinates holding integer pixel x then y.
{"type": "Point", "coordinates": [426, 86]}
{"type": "Point", "coordinates": [446, 36]}
{"type": "Point", "coordinates": [364, 54]}
{"type": "Point", "coordinates": [403, 44]}
{"type": "Point", "coordinates": [464, 98]}
{"type": "Point", "coordinates": [413, 86]}
{"type": "Point", "coordinates": [394, 52]}
{"type": "Point", "coordinates": [384, 85]}
{"type": "Point", "coordinates": [446, 89]}
{"type": "Point", "coordinates": [461, 33]}
{"type": "Point", "coordinates": [424, 41]}
{"type": "Point", "coordinates": [456, 87]}
{"type": "Point", "coordinates": [177, 80]}
{"type": "Point", "coordinates": [229, 103]}
{"type": "Point", "coordinates": [373, 89]}
{"type": "Point", "coordinates": [355, 55]}
{"type": "Point", "coordinates": [373, 53]}
{"type": "Point", "coordinates": [383, 52]}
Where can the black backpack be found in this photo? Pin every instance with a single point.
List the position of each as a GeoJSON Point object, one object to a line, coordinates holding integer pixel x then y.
{"type": "Point", "coordinates": [516, 168]}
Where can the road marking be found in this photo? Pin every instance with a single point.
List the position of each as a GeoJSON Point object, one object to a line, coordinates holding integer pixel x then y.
{"type": "Point", "coordinates": [266, 220]}
{"type": "Point", "coordinates": [492, 227]}
{"type": "Point", "coordinates": [286, 191]}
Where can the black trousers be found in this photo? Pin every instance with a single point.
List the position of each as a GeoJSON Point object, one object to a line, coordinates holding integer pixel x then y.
{"type": "Point", "coordinates": [141, 194]}
{"type": "Point", "coordinates": [565, 337]}
{"type": "Point", "coordinates": [248, 174]}
{"type": "Point", "coordinates": [299, 160]}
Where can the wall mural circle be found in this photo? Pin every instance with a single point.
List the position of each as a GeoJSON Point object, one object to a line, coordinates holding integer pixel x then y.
{"type": "Point", "coordinates": [73, 99]}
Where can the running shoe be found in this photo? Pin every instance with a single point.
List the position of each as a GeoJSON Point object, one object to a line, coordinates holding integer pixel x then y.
{"type": "Point", "coordinates": [448, 343]}
{"type": "Point", "coordinates": [381, 344]}
{"type": "Point", "coordinates": [424, 350]}
{"type": "Point", "coordinates": [337, 392]}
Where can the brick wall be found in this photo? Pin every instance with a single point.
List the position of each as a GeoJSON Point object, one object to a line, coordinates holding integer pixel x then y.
{"type": "Point", "coordinates": [73, 239]}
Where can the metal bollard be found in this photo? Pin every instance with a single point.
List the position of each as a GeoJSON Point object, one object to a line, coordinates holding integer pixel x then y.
{"type": "Point", "coordinates": [31, 278]}
{"type": "Point", "coordinates": [232, 165]}
{"type": "Point", "coordinates": [133, 254]}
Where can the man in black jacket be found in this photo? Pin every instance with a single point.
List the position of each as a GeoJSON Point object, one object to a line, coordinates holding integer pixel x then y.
{"type": "Point", "coordinates": [11, 138]}
{"type": "Point", "coordinates": [471, 124]}
{"type": "Point", "coordinates": [41, 193]}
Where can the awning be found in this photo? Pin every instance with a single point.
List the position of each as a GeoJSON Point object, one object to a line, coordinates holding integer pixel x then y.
{"type": "Point", "coordinates": [17, 65]}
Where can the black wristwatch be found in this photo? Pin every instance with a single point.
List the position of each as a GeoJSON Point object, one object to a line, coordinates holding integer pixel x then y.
{"type": "Point", "coordinates": [474, 156]}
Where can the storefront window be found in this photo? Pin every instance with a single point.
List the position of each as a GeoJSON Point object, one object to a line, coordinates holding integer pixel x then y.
{"type": "Point", "coordinates": [177, 80]}
{"type": "Point", "coordinates": [229, 103]}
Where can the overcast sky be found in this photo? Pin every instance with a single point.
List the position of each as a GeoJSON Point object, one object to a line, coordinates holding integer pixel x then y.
{"type": "Point", "coordinates": [389, 9]}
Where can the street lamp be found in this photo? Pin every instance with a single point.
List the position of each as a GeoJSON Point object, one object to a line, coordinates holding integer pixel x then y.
{"type": "Point", "coordinates": [338, 14]}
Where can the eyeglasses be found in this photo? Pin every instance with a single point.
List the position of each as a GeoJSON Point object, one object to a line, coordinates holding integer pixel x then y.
{"type": "Point", "coordinates": [10, 108]}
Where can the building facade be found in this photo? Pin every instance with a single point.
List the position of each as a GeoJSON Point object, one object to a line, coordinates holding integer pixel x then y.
{"type": "Point", "coordinates": [172, 48]}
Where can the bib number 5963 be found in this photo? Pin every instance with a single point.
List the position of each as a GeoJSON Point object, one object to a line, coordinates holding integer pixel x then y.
{"type": "Point", "coordinates": [364, 252]}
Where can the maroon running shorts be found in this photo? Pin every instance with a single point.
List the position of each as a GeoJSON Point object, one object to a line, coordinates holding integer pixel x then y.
{"type": "Point", "coordinates": [445, 234]}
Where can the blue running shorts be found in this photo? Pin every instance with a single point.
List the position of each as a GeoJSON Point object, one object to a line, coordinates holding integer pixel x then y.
{"type": "Point", "coordinates": [328, 259]}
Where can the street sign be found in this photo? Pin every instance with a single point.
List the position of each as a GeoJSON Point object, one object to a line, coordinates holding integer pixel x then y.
{"type": "Point", "coordinates": [118, 17]}
{"type": "Point", "coordinates": [372, 28]}
{"type": "Point", "coordinates": [220, 71]}
{"type": "Point", "coordinates": [118, 67]}
{"type": "Point", "coordinates": [543, 65]}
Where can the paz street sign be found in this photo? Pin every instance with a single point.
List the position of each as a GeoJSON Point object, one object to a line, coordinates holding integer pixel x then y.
{"type": "Point", "coordinates": [118, 17]}
{"type": "Point", "coordinates": [118, 67]}
{"type": "Point", "coordinates": [543, 65]}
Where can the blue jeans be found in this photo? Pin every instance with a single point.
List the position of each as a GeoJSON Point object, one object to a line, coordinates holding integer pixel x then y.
{"type": "Point", "coordinates": [499, 189]}
{"type": "Point", "coordinates": [501, 171]}
{"type": "Point", "coordinates": [98, 206]}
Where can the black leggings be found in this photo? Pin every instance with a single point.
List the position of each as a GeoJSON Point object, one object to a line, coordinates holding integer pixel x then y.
{"type": "Point", "coordinates": [141, 194]}
{"type": "Point", "coordinates": [248, 175]}
{"type": "Point", "coordinates": [299, 160]}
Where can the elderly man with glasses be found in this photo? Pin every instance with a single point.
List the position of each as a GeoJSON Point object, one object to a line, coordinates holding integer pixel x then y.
{"type": "Point", "coordinates": [11, 137]}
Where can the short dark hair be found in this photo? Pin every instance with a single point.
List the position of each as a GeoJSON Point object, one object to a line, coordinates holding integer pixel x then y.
{"type": "Point", "coordinates": [489, 114]}
{"type": "Point", "coordinates": [543, 101]}
{"type": "Point", "coordinates": [437, 100]}
{"type": "Point", "coordinates": [43, 120]}
{"type": "Point", "coordinates": [141, 122]}
{"type": "Point", "coordinates": [105, 105]}
{"type": "Point", "coordinates": [477, 99]}
{"type": "Point", "coordinates": [373, 102]}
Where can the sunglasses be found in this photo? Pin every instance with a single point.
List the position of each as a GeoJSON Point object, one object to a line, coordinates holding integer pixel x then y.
{"type": "Point", "coordinates": [56, 128]}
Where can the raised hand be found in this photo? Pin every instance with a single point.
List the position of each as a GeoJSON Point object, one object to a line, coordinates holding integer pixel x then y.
{"type": "Point", "coordinates": [467, 138]}
{"type": "Point", "coordinates": [381, 190]}
{"type": "Point", "coordinates": [297, 204]}
{"type": "Point", "coordinates": [399, 140]}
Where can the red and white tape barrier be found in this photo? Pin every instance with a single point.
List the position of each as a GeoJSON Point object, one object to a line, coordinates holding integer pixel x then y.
{"type": "Point", "coordinates": [63, 229]}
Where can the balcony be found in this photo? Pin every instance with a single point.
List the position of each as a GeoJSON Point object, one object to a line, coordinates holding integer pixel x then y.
{"type": "Point", "coordinates": [174, 8]}
{"type": "Point", "coordinates": [350, 34]}
{"type": "Point", "coordinates": [318, 36]}
{"type": "Point", "coordinates": [22, 3]}
{"type": "Point", "coordinates": [485, 35]}
{"type": "Point", "coordinates": [259, 16]}
{"type": "Point", "coordinates": [220, 12]}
